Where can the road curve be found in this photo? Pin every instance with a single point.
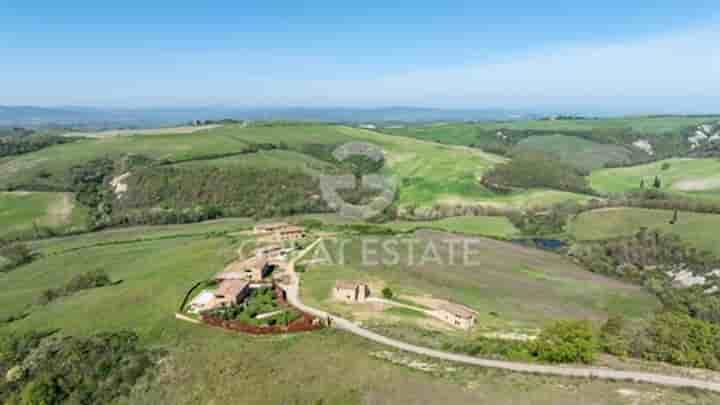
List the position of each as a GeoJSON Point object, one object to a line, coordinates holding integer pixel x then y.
{"type": "Point", "coordinates": [293, 296]}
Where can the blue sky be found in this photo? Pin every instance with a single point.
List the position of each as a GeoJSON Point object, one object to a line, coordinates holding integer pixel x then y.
{"type": "Point", "coordinates": [629, 56]}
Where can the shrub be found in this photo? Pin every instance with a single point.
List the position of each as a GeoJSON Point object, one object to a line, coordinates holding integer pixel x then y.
{"type": "Point", "coordinates": [387, 293]}
{"type": "Point", "coordinates": [14, 255]}
{"type": "Point", "coordinates": [567, 342]}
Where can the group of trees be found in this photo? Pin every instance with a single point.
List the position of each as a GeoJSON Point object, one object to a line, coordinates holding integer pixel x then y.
{"type": "Point", "coordinates": [567, 341]}
{"type": "Point", "coordinates": [644, 254]}
{"type": "Point", "coordinates": [536, 170]}
{"type": "Point", "coordinates": [184, 193]}
{"type": "Point", "coordinates": [44, 368]}
{"type": "Point", "coordinates": [19, 141]}
{"type": "Point", "coordinates": [84, 281]}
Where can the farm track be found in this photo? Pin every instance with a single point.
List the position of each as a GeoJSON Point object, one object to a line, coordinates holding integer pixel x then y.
{"type": "Point", "coordinates": [293, 295]}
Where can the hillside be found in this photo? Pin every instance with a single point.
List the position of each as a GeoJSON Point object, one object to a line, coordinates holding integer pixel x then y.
{"type": "Point", "coordinates": [695, 178]}
{"type": "Point", "coordinates": [697, 229]}
{"type": "Point", "coordinates": [153, 169]}
{"type": "Point", "coordinates": [201, 364]}
{"type": "Point", "coordinates": [28, 214]}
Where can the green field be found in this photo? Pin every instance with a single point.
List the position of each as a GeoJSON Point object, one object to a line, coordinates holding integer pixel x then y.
{"type": "Point", "coordinates": [21, 212]}
{"type": "Point", "coordinates": [701, 230]}
{"type": "Point", "coordinates": [427, 173]}
{"type": "Point", "coordinates": [206, 365]}
{"type": "Point", "coordinates": [523, 287]}
{"type": "Point", "coordinates": [499, 227]}
{"type": "Point", "coordinates": [692, 177]}
{"type": "Point", "coordinates": [577, 151]}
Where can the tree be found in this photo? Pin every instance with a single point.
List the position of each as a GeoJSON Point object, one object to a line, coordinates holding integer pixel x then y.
{"type": "Point", "coordinates": [387, 293]}
{"type": "Point", "coordinates": [674, 219]}
{"type": "Point", "coordinates": [567, 342]}
{"type": "Point", "coordinates": [657, 183]}
{"type": "Point", "coordinates": [642, 183]}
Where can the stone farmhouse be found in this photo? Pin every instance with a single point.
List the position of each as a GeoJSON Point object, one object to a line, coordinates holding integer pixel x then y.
{"type": "Point", "coordinates": [252, 269]}
{"type": "Point", "coordinates": [279, 231]}
{"type": "Point", "coordinates": [351, 292]}
{"type": "Point", "coordinates": [229, 292]}
{"type": "Point", "coordinates": [457, 315]}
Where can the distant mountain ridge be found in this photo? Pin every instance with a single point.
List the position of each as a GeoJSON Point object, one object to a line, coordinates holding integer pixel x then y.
{"type": "Point", "coordinates": [31, 116]}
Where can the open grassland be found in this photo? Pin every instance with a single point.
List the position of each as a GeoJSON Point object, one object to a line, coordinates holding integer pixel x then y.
{"type": "Point", "coordinates": [427, 173]}
{"type": "Point", "coordinates": [52, 165]}
{"type": "Point", "coordinates": [510, 285]}
{"type": "Point", "coordinates": [701, 230]}
{"type": "Point", "coordinates": [131, 132]}
{"type": "Point", "coordinates": [499, 227]}
{"type": "Point", "coordinates": [206, 365]}
{"type": "Point", "coordinates": [577, 151]}
{"type": "Point", "coordinates": [693, 177]}
{"type": "Point", "coordinates": [21, 212]}
{"type": "Point", "coordinates": [482, 133]}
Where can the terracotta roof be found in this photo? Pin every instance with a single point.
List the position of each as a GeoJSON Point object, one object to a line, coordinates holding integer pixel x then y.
{"type": "Point", "coordinates": [292, 229]}
{"type": "Point", "coordinates": [231, 288]}
{"type": "Point", "coordinates": [237, 269]}
{"type": "Point", "coordinates": [457, 310]}
{"type": "Point", "coordinates": [272, 226]}
{"type": "Point", "coordinates": [230, 275]}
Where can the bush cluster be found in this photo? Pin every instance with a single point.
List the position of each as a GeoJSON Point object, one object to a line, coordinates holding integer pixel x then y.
{"type": "Point", "coordinates": [84, 281]}
{"type": "Point", "coordinates": [43, 368]}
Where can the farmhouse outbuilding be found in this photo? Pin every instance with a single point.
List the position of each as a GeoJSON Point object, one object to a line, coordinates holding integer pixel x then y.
{"type": "Point", "coordinates": [351, 292]}
{"type": "Point", "coordinates": [457, 315]}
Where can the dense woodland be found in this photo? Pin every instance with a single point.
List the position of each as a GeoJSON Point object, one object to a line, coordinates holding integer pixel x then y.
{"type": "Point", "coordinates": [231, 191]}
{"type": "Point", "coordinates": [536, 170]}
{"type": "Point", "coordinates": [44, 368]}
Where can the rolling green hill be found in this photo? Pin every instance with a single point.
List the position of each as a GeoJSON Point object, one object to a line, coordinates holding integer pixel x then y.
{"type": "Point", "coordinates": [509, 285]}
{"type": "Point", "coordinates": [427, 173]}
{"type": "Point", "coordinates": [21, 213]}
{"type": "Point", "coordinates": [156, 265]}
{"type": "Point", "coordinates": [577, 151]}
{"type": "Point", "coordinates": [699, 178]}
{"type": "Point", "coordinates": [697, 229]}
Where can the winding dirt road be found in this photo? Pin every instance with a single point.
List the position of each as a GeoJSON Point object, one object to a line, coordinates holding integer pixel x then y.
{"type": "Point", "coordinates": [293, 296]}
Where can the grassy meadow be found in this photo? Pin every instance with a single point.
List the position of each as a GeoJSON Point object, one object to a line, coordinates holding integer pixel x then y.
{"type": "Point", "coordinates": [692, 177]}
{"type": "Point", "coordinates": [21, 211]}
{"type": "Point", "coordinates": [510, 285]}
{"type": "Point", "coordinates": [155, 266]}
{"type": "Point", "coordinates": [498, 227]}
{"type": "Point", "coordinates": [701, 230]}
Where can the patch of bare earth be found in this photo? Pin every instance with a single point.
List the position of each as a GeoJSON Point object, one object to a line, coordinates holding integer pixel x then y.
{"type": "Point", "coordinates": [60, 211]}
{"type": "Point", "coordinates": [130, 132]}
{"type": "Point", "coordinates": [697, 185]}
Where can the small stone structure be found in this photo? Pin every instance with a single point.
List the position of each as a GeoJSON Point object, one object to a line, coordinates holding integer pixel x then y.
{"type": "Point", "coordinates": [351, 292]}
{"type": "Point", "coordinates": [457, 315]}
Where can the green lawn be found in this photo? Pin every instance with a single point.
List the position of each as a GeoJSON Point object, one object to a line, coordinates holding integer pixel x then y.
{"type": "Point", "coordinates": [21, 211]}
{"type": "Point", "coordinates": [691, 177]}
{"type": "Point", "coordinates": [499, 227]}
{"type": "Point", "coordinates": [699, 229]}
{"type": "Point", "coordinates": [525, 287]}
{"type": "Point", "coordinates": [207, 365]}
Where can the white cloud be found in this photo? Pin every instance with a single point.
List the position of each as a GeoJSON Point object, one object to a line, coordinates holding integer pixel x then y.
{"type": "Point", "coordinates": [671, 72]}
